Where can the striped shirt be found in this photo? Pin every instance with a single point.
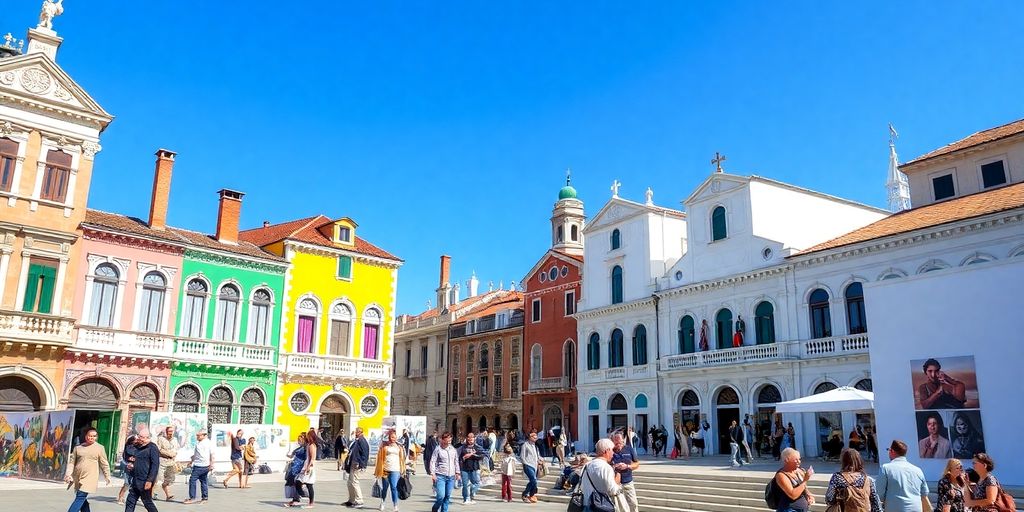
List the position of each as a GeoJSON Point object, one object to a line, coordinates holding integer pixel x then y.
{"type": "Point", "coordinates": [444, 461]}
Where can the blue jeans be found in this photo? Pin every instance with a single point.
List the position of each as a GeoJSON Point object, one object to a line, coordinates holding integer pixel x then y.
{"type": "Point", "coordinates": [390, 482]}
{"type": "Point", "coordinates": [81, 502]}
{"type": "Point", "coordinates": [470, 479]}
{"type": "Point", "coordinates": [199, 473]}
{"type": "Point", "coordinates": [443, 488]}
{"type": "Point", "coordinates": [531, 485]}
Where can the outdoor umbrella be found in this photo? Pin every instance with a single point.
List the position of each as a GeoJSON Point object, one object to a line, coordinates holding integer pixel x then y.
{"type": "Point", "coordinates": [837, 400]}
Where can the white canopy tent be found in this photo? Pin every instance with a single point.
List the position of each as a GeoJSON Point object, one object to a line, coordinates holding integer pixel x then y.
{"type": "Point", "coordinates": [838, 400]}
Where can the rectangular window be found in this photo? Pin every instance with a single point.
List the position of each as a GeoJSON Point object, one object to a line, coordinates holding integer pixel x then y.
{"type": "Point", "coordinates": [104, 296]}
{"type": "Point", "coordinates": [438, 400]}
{"type": "Point", "coordinates": [151, 309]}
{"type": "Point", "coordinates": [39, 287]}
{"type": "Point", "coordinates": [469, 386]}
{"type": "Point", "coordinates": [483, 387]}
{"type": "Point", "coordinates": [570, 302]}
{"type": "Point", "coordinates": [497, 387]}
{"type": "Point", "coordinates": [195, 308]}
{"type": "Point", "coordinates": [423, 358]}
{"type": "Point", "coordinates": [514, 385]}
{"type": "Point", "coordinates": [8, 159]}
{"type": "Point", "coordinates": [224, 328]}
{"type": "Point", "coordinates": [408, 362]}
{"type": "Point", "coordinates": [440, 356]}
{"type": "Point", "coordinates": [55, 176]}
{"type": "Point", "coordinates": [993, 174]}
{"type": "Point", "coordinates": [261, 324]}
{"type": "Point", "coordinates": [340, 337]}
{"type": "Point", "coordinates": [304, 341]}
{"type": "Point", "coordinates": [344, 234]}
{"type": "Point", "coordinates": [535, 310]}
{"type": "Point", "coordinates": [943, 187]}
{"type": "Point", "coordinates": [344, 267]}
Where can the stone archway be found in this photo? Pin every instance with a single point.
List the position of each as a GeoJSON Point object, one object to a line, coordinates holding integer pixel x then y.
{"type": "Point", "coordinates": [93, 394]}
{"type": "Point", "coordinates": [727, 410]}
{"type": "Point", "coordinates": [334, 415]}
{"type": "Point", "coordinates": [552, 417]}
{"type": "Point", "coordinates": [18, 394]}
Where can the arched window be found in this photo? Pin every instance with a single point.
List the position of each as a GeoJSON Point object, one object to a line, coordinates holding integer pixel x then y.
{"type": "Point", "coordinates": [259, 312]}
{"type": "Point", "coordinates": [855, 316]}
{"type": "Point", "coordinates": [718, 228]}
{"type": "Point", "coordinates": [764, 323]}
{"type": "Point", "coordinates": [769, 394]}
{"type": "Point", "coordinates": [640, 345]}
{"type": "Point", "coordinates": [615, 350]}
{"type": "Point", "coordinates": [196, 293]}
{"type": "Point", "coordinates": [218, 405]}
{"type": "Point", "coordinates": [226, 326]}
{"type": "Point", "coordinates": [594, 352]}
{"type": "Point", "coordinates": [251, 410]}
{"type": "Point", "coordinates": [689, 399]}
{"type": "Point", "coordinates": [618, 403]}
{"type": "Point", "coordinates": [305, 335]}
{"type": "Point", "coordinates": [864, 385]}
{"type": "Point", "coordinates": [8, 160]}
{"type": "Point", "coordinates": [471, 358]}
{"type": "Point", "coordinates": [616, 239]}
{"type": "Point", "coordinates": [371, 333]}
{"type": "Point", "coordinates": [151, 304]}
{"type": "Point", "coordinates": [574, 233]}
{"type": "Point", "coordinates": [723, 328]}
{"type": "Point", "coordinates": [485, 354]}
{"type": "Point", "coordinates": [687, 335]}
{"type": "Point", "coordinates": [821, 319]}
{"type": "Point", "coordinates": [186, 399]}
{"type": "Point", "coordinates": [569, 362]}
{"type": "Point", "coordinates": [536, 360]}
{"type": "Point", "coordinates": [728, 396]}
{"type": "Point", "coordinates": [560, 233]}
{"type": "Point", "coordinates": [824, 387]}
{"type": "Point", "coordinates": [104, 295]}
{"type": "Point", "coordinates": [497, 355]}
{"type": "Point", "coordinates": [616, 284]}
{"type": "Point", "coordinates": [457, 360]}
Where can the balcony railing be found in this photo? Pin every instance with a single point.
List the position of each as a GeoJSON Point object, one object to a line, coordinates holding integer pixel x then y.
{"type": "Point", "coordinates": [337, 367]}
{"type": "Point", "coordinates": [34, 327]}
{"type": "Point", "coordinates": [836, 345]}
{"type": "Point", "coordinates": [726, 356]}
{"type": "Point", "coordinates": [418, 373]}
{"type": "Point", "coordinates": [224, 352]}
{"type": "Point", "coordinates": [549, 384]}
{"type": "Point", "coordinates": [131, 343]}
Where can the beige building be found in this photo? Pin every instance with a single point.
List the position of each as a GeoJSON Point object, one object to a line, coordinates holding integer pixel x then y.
{"type": "Point", "coordinates": [49, 136]}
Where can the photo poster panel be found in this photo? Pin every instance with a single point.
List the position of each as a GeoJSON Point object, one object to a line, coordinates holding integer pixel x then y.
{"type": "Point", "coordinates": [416, 426]}
{"type": "Point", "coordinates": [140, 423]}
{"type": "Point", "coordinates": [272, 443]}
{"type": "Point", "coordinates": [186, 424]}
{"type": "Point", "coordinates": [374, 437]}
{"type": "Point", "coordinates": [948, 407]}
{"type": "Point", "coordinates": [36, 445]}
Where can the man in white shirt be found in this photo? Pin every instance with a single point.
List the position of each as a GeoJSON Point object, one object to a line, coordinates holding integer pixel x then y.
{"type": "Point", "coordinates": [202, 464]}
{"type": "Point", "coordinates": [598, 475]}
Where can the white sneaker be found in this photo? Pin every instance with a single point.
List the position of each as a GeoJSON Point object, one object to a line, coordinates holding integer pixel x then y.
{"type": "Point", "coordinates": [465, 502]}
{"type": "Point", "coordinates": [382, 506]}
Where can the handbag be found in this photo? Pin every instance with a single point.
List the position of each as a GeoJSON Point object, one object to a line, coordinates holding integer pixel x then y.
{"type": "Point", "coordinates": [575, 500]}
{"type": "Point", "coordinates": [599, 501]}
{"type": "Point", "coordinates": [377, 491]}
{"type": "Point", "coordinates": [307, 478]}
{"type": "Point", "coordinates": [542, 470]}
{"type": "Point", "coordinates": [404, 487]}
{"type": "Point", "coordinates": [1004, 502]}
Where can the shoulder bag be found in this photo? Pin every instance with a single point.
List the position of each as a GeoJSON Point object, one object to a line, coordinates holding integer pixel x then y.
{"type": "Point", "coordinates": [576, 499]}
{"type": "Point", "coordinates": [404, 487]}
{"type": "Point", "coordinates": [599, 501]}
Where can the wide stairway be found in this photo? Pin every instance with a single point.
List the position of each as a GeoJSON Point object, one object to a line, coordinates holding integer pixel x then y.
{"type": "Point", "coordinates": [700, 489]}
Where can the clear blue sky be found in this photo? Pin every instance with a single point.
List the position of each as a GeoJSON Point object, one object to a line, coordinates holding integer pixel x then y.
{"type": "Point", "coordinates": [446, 127]}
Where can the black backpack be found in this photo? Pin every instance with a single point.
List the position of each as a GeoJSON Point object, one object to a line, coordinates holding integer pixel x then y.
{"type": "Point", "coordinates": [772, 493]}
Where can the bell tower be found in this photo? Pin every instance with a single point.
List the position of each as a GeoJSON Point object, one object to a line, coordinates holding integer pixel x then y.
{"type": "Point", "coordinates": [567, 220]}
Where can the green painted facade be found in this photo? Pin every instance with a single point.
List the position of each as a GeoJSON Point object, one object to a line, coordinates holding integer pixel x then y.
{"type": "Point", "coordinates": [248, 275]}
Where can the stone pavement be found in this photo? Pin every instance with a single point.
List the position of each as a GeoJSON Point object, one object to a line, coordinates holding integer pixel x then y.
{"type": "Point", "coordinates": [267, 492]}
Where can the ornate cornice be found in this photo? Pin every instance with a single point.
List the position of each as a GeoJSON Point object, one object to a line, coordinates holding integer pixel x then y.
{"type": "Point", "coordinates": [233, 261]}
{"type": "Point", "coordinates": [330, 252]}
{"type": "Point", "coordinates": [560, 288]}
{"type": "Point", "coordinates": [915, 237]}
{"type": "Point", "coordinates": [117, 238]}
{"type": "Point", "coordinates": [614, 308]}
{"type": "Point", "coordinates": [707, 286]}
{"type": "Point", "coordinates": [290, 378]}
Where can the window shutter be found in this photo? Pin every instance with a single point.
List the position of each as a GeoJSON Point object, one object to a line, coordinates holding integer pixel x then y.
{"type": "Point", "coordinates": [49, 278]}
{"type": "Point", "coordinates": [31, 288]}
{"type": "Point", "coordinates": [345, 267]}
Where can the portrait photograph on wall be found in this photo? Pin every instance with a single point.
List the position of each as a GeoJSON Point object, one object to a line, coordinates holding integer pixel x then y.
{"type": "Point", "coordinates": [945, 383]}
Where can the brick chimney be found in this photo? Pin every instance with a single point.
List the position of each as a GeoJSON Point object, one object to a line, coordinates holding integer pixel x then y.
{"type": "Point", "coordinates": [161, 189]}
{"type": "Point", "coordinates": [446, 267]}
{"type": "Point", "coordinates": [227, 215]}
{"type": "Point", "coordinates": [444, 288]}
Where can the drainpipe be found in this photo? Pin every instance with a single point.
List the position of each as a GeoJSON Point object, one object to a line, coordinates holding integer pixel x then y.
{"type": "Point", "coordinates": [657, 359]}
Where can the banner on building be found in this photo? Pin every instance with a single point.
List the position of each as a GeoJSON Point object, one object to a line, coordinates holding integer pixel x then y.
{"type": "Point", "coordinates": [948, 408]}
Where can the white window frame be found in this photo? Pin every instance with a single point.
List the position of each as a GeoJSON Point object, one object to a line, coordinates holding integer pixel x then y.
{"type": "Point", "coordinates": [95, 260]}
{"type": "Point", "coordinates": [236, 322]}
{"type": "Point", "coordinates": [536, 315]}
{"type": "Point", "coordinates": [250, 334]}
{"type": "Point", "coordinates": [69, 198]}
{"type": "Point", "coordinates": [168, 274]}
{"type": "Point", "coordinates": [378, 320]}
{"type": "Point", "coordinates": [332, 315]}
{"type": "Point", "coordinates": [206, 305]}
{"type": "Point", "coordinates": [536, 370]}
{"type": "Point", "coordinates": [989, 160]}
{"type": "Point", "coordinates": [938, 174]}
{"type": "Point", "coordinates": [317, 319]}
{"type": "Point", "coordinates": [21, 138]}
{"type": "Point", "coordinates": [570, 293]}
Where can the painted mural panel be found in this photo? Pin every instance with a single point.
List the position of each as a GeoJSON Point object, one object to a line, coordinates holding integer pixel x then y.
{"type": "Point", "coordinates": [36, 444]}
{"type": "Point", "coordinates": [272, 441]}
{"type": "Point", "coordinates": [185, 424]}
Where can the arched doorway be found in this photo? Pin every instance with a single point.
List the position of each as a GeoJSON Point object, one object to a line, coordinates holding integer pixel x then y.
{"type": "Point", "coordinates": [827, 423]}
{"type": "Point", "coordinates": [689, 409]}
{"type": "Point", "coordinates": [334, 415]}
{"type": "Point", "coordinates": [727, 410]}
{"type": "Point", "coordinates": [767, 397]}
{"type": "Point", "coordinates": [619, 417]}
{"type": "Point", "coordinates": [497, 422]}
{"type": "Point", "coordinates": [482, 424]}
{"type": "Point", "coordinates": [552, 417]}
{"type": "Point", "coordinates": [18, 394]}
{"type": "Point", "coordinates": [95, 402]}
{"type": "Point", "coordinates": [469, 424]}
{"type": "Point", "coordinates": [513, 422]}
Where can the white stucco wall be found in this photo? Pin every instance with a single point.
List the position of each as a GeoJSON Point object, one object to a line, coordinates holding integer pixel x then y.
{"type": "Point", "coordinates": [966, 171]}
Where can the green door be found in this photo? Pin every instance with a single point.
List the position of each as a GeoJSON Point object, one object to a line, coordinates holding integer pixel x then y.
{"type": "Point", "coordinates": [108, 425]}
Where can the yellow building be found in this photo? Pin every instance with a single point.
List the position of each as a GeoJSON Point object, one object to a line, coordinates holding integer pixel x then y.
{"type": "Point", "coordinates": [338, 321]}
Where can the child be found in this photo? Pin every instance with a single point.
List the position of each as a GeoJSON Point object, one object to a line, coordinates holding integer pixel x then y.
{"type": "Point", "coordinates": [508, 468]}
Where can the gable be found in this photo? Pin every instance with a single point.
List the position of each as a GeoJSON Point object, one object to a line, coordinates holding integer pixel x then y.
{"type": "Point", "coordinates": [716, 184]}
{"type": "Point", "coordinates": [614, 212]}
{"type": "Point", "coordinates": [37, 83]}
{"type": "Point", "coordinates": [550, 257]}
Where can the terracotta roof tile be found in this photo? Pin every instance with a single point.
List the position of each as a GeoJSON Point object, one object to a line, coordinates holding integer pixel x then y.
{"type": "Point", "coordinates": [961, 208]}
{"type": "Point", "coordinates": [508, 299]}
{"type": "Point", "coordinates": [459, 306]}
{"type": "Point", "coordinates": [976, 139]}
{"type": "Point", "coordinates": [577, 257]}
{"type": "Point", "coordinates": [307, 230]}
{"type": "Point", "coordinates": [209, 242]}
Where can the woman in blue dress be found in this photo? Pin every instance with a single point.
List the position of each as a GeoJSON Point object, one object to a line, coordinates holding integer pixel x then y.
{"type": "Point", "coordinates": [294, 468]}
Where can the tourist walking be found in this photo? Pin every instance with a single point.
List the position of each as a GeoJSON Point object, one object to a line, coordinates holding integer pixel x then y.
{"type": "Point", "coordinates": [445, 472]}
{"type": "Point", "coordinates": [951, 487]}
{"type": "Point", "coordinates": [168, 448]}
{"type": "Point", "coordinates": [355, 464]}
{"type": "Point", "coordinates": [306, 475]}
{"type": "Point", "coordinates": [508, 470]}
{"type": "Point", "coordinates": [145, 468]}
{"type": "Point", "coordinates": [860, 494]}
{"type": "Point", "coordinates": [624, 461]}
{"type": "Point", "coordinates": [984, 494]}
{"type": "Point", "coordinates": [599, 481]}
{"type": "Point", "coordinates": [249, 457]}
{"type": "Point", "coordinates": [530, 458]}
{"type": "Point", "coordinates": [341, 448]}
{"type": "Point", "coordinates": [560, 443]}
{"type": "Point", "coordinates": [125, 464]}
{"type": "Point", "coordinates": [469, 458]}
{"type": "Point", "coordinates": [901, 485]}
{"type": "Point", "coordinates": [237, 465]}
{"type": "Point", "coordinates": [492, 447]}
{"type": "Point", "coordinates": [698, 439]}
{"type": "Point", "coordinates": [778, 437]}
{"type": "Point", "coordinates": [748, 438]}
{"type": "Point", "coordinates": [87, 461]}
{"type": "Point", "coordinates": [202, 465]}
{"type": "Point", "coordinates": [792, 481]}
{"type": "Point", "coordinates": [735, 440]}
{"type": "Point", "coordinates": [390, 465]}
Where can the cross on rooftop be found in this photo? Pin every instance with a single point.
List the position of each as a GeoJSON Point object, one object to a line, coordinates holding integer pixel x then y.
{"type": "Point", "coordinates": [717, 161]}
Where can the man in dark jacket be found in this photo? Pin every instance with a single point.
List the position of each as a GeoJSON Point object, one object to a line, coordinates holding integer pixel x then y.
{"type": "Point", "coordinates": [355, 464]}
{"type": "Point", "coordinates": [469, 459]}
{"type": "Point", "coordinates": [735, 441]}
{"type": "Point", "coordinates": [145, 468]}
{"type": "Point", "coordinates": [428, 449]}
{"type": "Point", "coordinates": [341, 448]}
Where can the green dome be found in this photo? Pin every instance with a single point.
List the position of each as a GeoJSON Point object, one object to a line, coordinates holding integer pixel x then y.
{"type": "Point", "coordinates": [567, 192]}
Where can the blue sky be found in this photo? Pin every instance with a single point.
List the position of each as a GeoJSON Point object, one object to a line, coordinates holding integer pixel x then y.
{"type": "Point", "coordinates": [447, 127]}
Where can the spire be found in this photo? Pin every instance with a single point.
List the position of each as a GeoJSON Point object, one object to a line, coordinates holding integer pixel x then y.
{"type": "Point", "coordinates": [897, 186]}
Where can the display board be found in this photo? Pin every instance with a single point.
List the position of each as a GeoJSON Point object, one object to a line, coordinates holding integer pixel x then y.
{"type": "Point", "coordinates": [35, 444]}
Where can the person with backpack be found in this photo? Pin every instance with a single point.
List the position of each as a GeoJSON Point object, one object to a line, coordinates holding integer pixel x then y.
{"type": "Point", "coordinates": [850, 487]}
{"type": "Point", "coordinates": [787, 491]}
